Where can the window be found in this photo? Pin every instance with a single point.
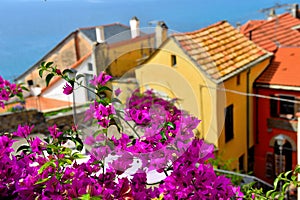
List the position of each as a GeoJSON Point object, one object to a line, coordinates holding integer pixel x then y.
{"type": "Point", "coordinates": [173, 60]}
{"type": "Point", "coordinates": [90, 95]}
{"type": "Point", "coordinates": [238, 79]}
{"type": "Point", "coordinates": [90, 66]}
{"type": "Point", "coordinates": [229, 123]}
{"type": "Point", "coordinates": [282, 108]}
{"type": "Point", "coordinates": [30, 82]}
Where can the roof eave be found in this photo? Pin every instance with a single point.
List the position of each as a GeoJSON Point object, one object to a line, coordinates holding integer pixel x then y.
{"type": "Point", "coordinates": [249, 65]}
{"type": "Point", "coordinates": [277, 87]}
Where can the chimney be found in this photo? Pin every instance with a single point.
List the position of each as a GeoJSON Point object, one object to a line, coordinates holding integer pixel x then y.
{"type": "Point", "coordinates": [100, 34]}
{"type": "Point", "coordinates": [238, 26]}
{"type": "Point", "coordinates": [134, 27]}
{"type": "Point", "coordinates": [295, 10]}
{"type": "Point", "coordinates": [272, 14]}
{"type": "Point", "coordinates": [161, 33]}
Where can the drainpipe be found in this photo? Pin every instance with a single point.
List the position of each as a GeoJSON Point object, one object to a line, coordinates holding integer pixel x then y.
{"type": "Point", "coordinates": [256, 118]}
{"type": "Point", "coordinates": [247, 117]}
{"type": "Point", "coordinates": [298, 151]}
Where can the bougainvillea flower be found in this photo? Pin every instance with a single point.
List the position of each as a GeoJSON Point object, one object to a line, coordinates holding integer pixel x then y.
{"type": "Point", "coordinates": [23, 131]}
{"type": "Point", "coordinates": [54, 132]}
{"type": "Point", "coordinates": [100, 80]}
{"type": "Point", "coordinates": [68, 89]}
{"type": "Point", "coordinates": [118, 92]}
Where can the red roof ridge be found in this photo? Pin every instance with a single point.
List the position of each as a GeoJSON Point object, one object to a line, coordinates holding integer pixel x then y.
{"type": "Point", "coordinates": [267, 21]}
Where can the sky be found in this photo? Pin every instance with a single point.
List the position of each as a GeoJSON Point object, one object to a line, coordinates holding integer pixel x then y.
{"type": "Point", "coordinates": [31, 28]}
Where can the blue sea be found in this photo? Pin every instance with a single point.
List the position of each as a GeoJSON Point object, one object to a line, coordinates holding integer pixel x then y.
{"type": "Point", "coordinates": [31, 28]}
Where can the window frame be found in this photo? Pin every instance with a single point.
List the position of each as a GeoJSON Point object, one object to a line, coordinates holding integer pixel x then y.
{"type": "Point", "coordinates": [229, 123]}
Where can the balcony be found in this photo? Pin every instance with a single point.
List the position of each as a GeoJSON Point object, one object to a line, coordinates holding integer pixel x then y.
{"type": "Point", "coordinates": [283, 123]}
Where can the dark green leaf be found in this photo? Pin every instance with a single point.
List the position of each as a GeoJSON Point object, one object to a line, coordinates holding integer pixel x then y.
{"type": "Point", "coordinates": [24, 88]}
{"type": "Point", "coordinates": [78, 143]}
{"type": "Point", "coordinates": [103, 88]}
{"type": "Point", "coordinates": [170, 124]}
{"type": "Point", "coordinates": [79, 76]}
{"type": "Point", "coordinates": [23, 147]}
{"type": "Point", "coordinates": [48, 78]}
{"type": "Point", "coordinates": [67, 71]}
{"type": "Point", "coordinates": [41, 73]}
{"type": "Point", "coordinates": [48, 64]}
{"type": "Point", "coordinates": [43, 64]}
{"type": "Point", "coordinates": [163, 135]}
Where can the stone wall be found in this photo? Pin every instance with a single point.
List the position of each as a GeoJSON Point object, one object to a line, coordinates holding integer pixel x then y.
{"type": "Point", "coordinates": [9, 121]}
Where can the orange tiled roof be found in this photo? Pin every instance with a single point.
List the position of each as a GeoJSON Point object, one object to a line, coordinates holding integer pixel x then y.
{"type": "Point", "coordinates": [284, 69]}
{"type": "Point", "coordinates": [219, 49]}
{"type": "Point", "coordinates": [275, 32]}
{"type": "Point", "coordinates": [251, 24]}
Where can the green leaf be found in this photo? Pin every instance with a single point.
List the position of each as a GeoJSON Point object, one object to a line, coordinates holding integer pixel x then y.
{"type": "Point", "coordinates": [285, 186]}
{"type": "Point", "coordinates": [170, 124]}
{"type": "Point", "coordinates": [103, 88]}
{"type": "Point", "coordinates": [46, 165]}
{"type": "Point", "coordinates": [163, 135]}
{"type": "Point", "coordinates": [78, 143]}
{"type": "Point", "coordinates": [276, 182]}
{"type": "Point", "coordinates": [48, 64]}
{"type": "Point", "coordinates": [41, 73]}
{"type": "Point", "coordinates": [281, 197]}
{"type": "Point", "coordinates": [78, 155]}
{"type": "Point", "coordinates": [42, 180]}
{"type": "Point", "coordinates": [287, 173]}
{"type": "Point", "coordinates": [79, 76]}
{"type": "Point", "coordinates": [116, 100]}
{"type": "Point", "coordinates": [269, 193]}
{"type": "Point", "coordinates": [85, 197]}
{"type": "Point", "coordinates": [274, 194]}
{"type": "Point", "coordinates": [67, 71]}
{"type": "Point", "coordinates": [48, 78]}
{"type": "Point", "coordinates": [43, 64]}
{"type": "Point", "coordinates": [24, 88]}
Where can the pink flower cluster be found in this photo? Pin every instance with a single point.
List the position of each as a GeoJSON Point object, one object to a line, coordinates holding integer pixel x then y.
{"type": "Point", "coordinates": [8, 90]}
{"type": "Point", "coordinates": [162, 139]}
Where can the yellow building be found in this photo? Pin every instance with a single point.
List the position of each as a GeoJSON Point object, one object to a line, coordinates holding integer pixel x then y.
{"type": "Point", "coordinates": [210, 70]}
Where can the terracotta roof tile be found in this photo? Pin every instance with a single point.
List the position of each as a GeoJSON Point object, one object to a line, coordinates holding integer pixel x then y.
{"type": "Point", "coordinates": [270, 34]}
{"type": "Point", "coordinates": [219, 49]}
{"type": "Point", "coordinates": [284, 69]}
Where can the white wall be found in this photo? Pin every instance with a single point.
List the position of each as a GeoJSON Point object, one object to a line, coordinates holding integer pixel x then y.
{"type": "Point", "coordinates": [55, 91]}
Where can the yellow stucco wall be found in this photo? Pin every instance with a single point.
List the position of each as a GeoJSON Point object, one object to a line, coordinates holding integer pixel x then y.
{"type": "Point", "coordinates": [183, 81]}
{"type": "Point", "coordinates": [238, 146]}
{"type": "Point", "coordinates": [201, 98]}
{"type": "Point", "coordinates": [123, 56]}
